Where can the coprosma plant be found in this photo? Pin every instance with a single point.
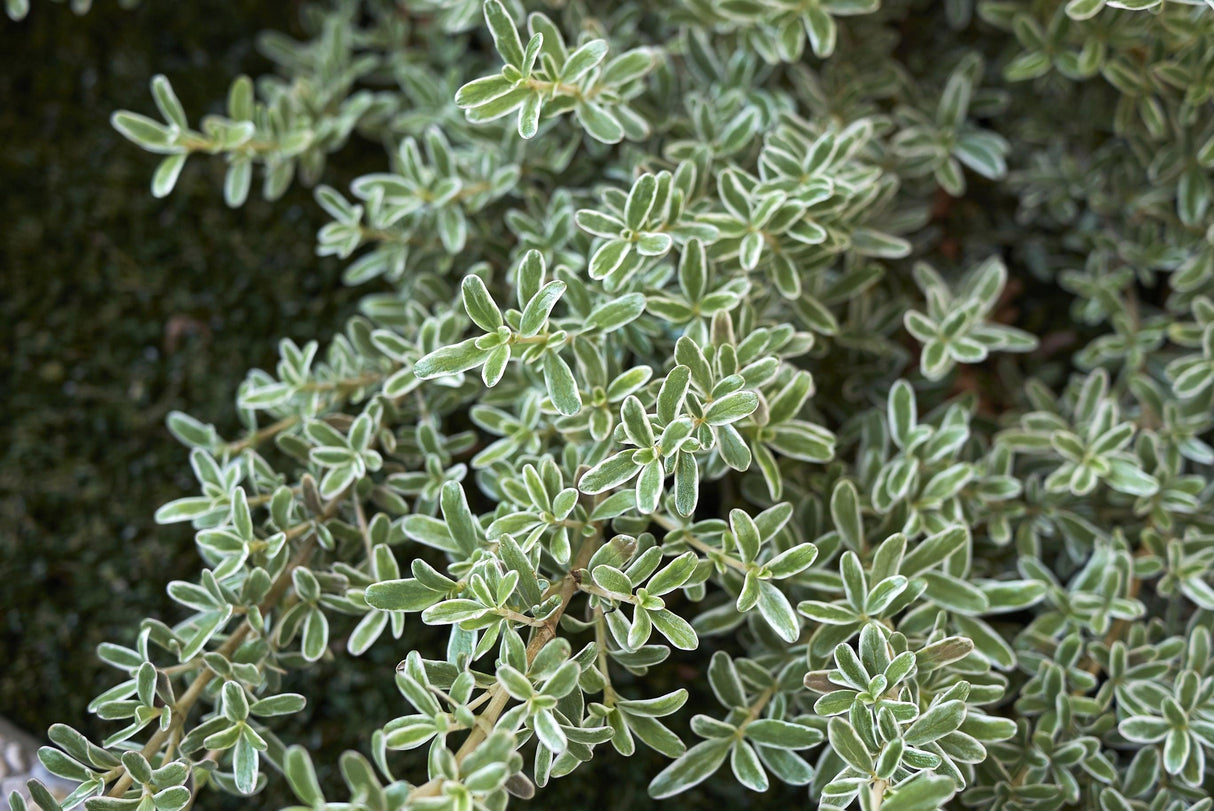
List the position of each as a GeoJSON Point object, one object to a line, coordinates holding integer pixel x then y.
{"type": "Point", "coordinates": [691, 328]}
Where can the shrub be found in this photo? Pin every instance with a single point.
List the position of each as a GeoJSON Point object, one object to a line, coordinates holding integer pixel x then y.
{"type": "Point", "coordinates": [692, 327]}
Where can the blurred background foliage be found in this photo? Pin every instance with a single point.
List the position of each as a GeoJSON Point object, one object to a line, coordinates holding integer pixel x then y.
{"type": "Point", "coordinates": [116, 308]}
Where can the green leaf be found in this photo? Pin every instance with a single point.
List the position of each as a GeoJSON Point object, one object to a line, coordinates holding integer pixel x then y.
{"type": "Point", "coordinates": [954, 593]}
{"type": "Point", "coordinates": [935, 723]}
{"type": "Point", "coordinates": [240, 100]}
{"type": "Point", "coordinates": [244, 764]}
{"type": "Point", "coordinates": [599, 123]}
{"type": "Point", "coordinates": [549, 731]}
{"type": "Point", "coordinates": [500, 106]}
{"type": "Point", "coordinates": [944, 652]}
{"type": "Point", "coordinates": [793, 561]}
{"type": "Point", "coordinates": [365, 634]}
{"type": "Point", "coordinates": [649, 487]}
{"type": "Point", "coordinates": [731, 408]}
{"type": "Point", "coordinates": [695, 766]}
{"type": "Point", "coordinates": [654, 707]}
{"type": "Point", "coordinates": [947, 483]}
{"type": "Point", "coordinates": [616, 313]}
{"type": "Point", "coordinates": [505, 35]}
{"type": "Point", "coordinates": [529, 115]}
{"type": "Point", "coordinates": [42, 796]}
{"type": "Point", "coordinates": [1083, 9]}
{"type": "Point", "coordinates": [167, 103]}
{"type": "Point", "coordinates": [183, 509]}
{"type": "Point", "coordinates": [611, 472]}
{"type": "Point", "coordinates": [166, 174]}
{"type": "Point", "coordinates": [237, 181]}
{"type": "Point", "coordinates": [674, 575]}
{"type": "Point", "coordinates": [479, 304]}
{"type": "Point", "coordinates": [923, 792]}
{"type": "Point", "coordinates": [848, 745]}
{"type": "Point", "coordinates": [636, 422]}
{"type": "Point", "coordinates": [315, 635]}
{"type": "Point", "coordinates": [746, 534]}
{"type": "Point", "coordinates": [1126, 477]}
{"type": "Point", "coordinates": [845, 511]}
{"type": "Point", "coordinates": [517, 684]}
{"type": "Point", "coordinates": [827, 613]}
{"type": "Point", "coordinates": [495, 365]}
{"type": "Point", "coordinates": [934, 550]}
{"type": "Point", "coordinates": [628, 66]}
{"type": "Point", "coordinates": [746, 767]}
{"type": "Point", "coordinates": [482, 91]}
{"type": "Point", "coordinates": [778, 612]}
{"type": "Point", "coordinates": [535, 314]}
{"type": "Point", "coordinates": [1144, 729]}
{"type": "Point", "coordinates": [562, 388]}
{"type": "Point", "coordinates": [143, 131]}
{"type": "Point", "coordinates": [531, 53]}
{"type": "Point", "coordinates": [867, 242]}
{"type": "Point", "coordinates": [581, 61]}
{"type": "Point", "coordinates": [902, 415]}
{"type": "Point", "coordinates": [63, 766]}
{"type": "Point", "coordinates": [674, 628]}
{"type": "Point", "coordinates": [599, 224]}
{"type": "Point", "coordinates": [725, 681]}
{"type": "Point", "coordinates": [282, 704]}
{"type": "Point", "coordinates": [450, 360]}
{"type": "Point", "coordinates": [640, 201]}
{"type": "Point", "coordinates": [821, 30]}
{"type": "Point", "coordinates": [783, 734]}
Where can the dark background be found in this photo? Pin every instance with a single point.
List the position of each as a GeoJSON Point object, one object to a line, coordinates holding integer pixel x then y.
{"type": "Point", "coordinates": [116, 308]}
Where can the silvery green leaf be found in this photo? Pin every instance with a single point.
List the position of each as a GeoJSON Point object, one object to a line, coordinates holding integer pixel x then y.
{"type": "Point", "coordinates": [935, 723]}
{"type": "Point", "coordinates": [611, 472]}
{"type": "Point", "coordinates": [505, 35]}
{"type": "Point", "coordinates": [599, 123]}
{"type": "Point", "coordinates": [616, 313]}
{"type": "Point", "coordinates": [695, 766]}
{"type": "Point", "coordinates": [783, 734]}
{"type": "Point", "coordinates": [167, 172]}
{"type": "Point", "coordinates": [581, 61]}
{"type": "Point", "coordinates": [822, 31]}
{"type": "Point", "coordinates": [529, 115]}
{"type": "Point", "coordinates": [244, 764]}
{"type": "Point", "coordinates": [676, 629]}
{"type": "Point", "coordinates": [450, 360]}
{"type": "Point", "coordinates": [731, 408]}
{"type": "Point", "coordinates": [562, 387]}
{"type": "Point", "coordinates": [744, 763]}
{"type": "Point", "coordinates": [778, 612]}
{"type": "Point", "coordinates": [145, 132]}
{"type": "Point", "coordinates": [482, 91]}
{"type": "Point", "coordinates": [847, 744]}
{"type": "Point", "coordinates": [537, 310]}
{"type": "Point", "coordinates": [923, 792]}
{"type": "Point", "coordinates": [401, 595]}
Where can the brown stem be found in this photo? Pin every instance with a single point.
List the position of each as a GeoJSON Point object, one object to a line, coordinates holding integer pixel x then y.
{"type": "Point", "coordinates": [262, 434]}
{"type": "Point", "coordinates": [344, 383]}
{"type": "Point", "coordinates": [600, 638]}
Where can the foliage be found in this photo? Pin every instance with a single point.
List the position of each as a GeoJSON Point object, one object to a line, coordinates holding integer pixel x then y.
{"type": "Point", "coordinates": [686, 337]}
